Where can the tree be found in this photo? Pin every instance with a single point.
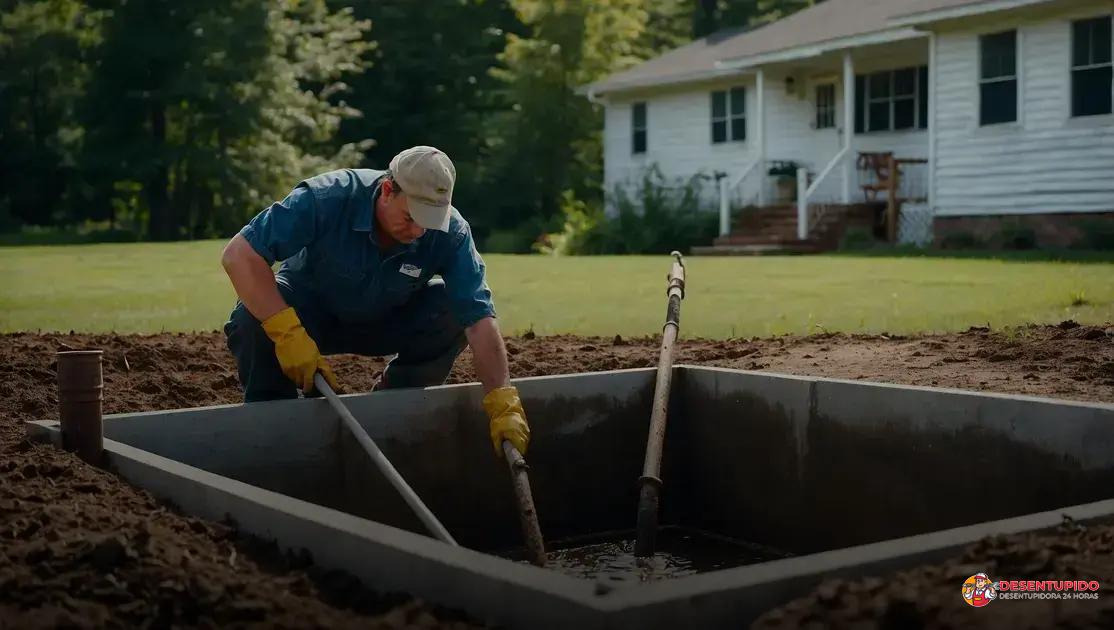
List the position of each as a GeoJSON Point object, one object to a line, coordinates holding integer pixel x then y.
{"type": "Point", "coordinates": [42, 73]}
{"type": "Point", "coordinates": [213, 106]}
{"type": "Point", "coordinates": [547, 139]}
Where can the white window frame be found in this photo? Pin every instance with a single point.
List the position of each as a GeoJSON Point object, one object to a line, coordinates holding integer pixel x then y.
{"type": "Point", "coordinates": [828, 109]}
{"type": "Point", "coordinates": [1072, 68]}
{"type": "Point", "coordinates": [728, 118]}
{"type": "Point", "coordinates": [645, 128]}
{"type": "Point", "coordinates": [1017, 77]}
{"type": "Point", "coordinates": [891, 98]}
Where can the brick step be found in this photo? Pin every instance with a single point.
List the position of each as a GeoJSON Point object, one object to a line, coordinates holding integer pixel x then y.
{"type": "Point", "coordinates": [796, 247]}
{"type": "Point", "coordinates": [755, 239]}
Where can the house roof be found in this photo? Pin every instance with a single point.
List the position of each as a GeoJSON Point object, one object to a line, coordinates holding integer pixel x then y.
{"type": "Point", "coordinates": [826, 23]}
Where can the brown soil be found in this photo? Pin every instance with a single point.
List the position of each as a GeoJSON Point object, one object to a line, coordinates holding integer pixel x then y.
{"type": "Point", "coordinates": [80, 547]}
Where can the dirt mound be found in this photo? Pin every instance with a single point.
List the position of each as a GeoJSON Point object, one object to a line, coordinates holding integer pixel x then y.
{"type": "Point", "coordinates": [80, 547]}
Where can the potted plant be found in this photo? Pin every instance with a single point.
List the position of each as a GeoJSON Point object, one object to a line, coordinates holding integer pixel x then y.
{"type": "Point", "coordinates": [784, 173]}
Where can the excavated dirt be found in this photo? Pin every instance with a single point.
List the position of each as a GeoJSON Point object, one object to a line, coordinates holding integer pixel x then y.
{"type": "Point", "coordinates": [80, 548]}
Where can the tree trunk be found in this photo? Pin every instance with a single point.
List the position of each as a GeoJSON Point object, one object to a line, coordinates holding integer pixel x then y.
{"type": "Point", "coordinates": [160, 225]}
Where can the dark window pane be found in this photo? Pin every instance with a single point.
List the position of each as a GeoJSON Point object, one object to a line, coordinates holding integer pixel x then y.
{"type": "Point", "coordinates": [719, 131]}
{"type": "Point", "coordinates": [738, 101]}
{"type": "Point", "coordinates": [738, 128]}
{"type": "Point", "coordinates": [1101, 38]}
{"type": "Point", "coordinates": [1090, 91]}
{"type": "Point", "coordinates": [905, 82]}
{"type": "Point", "coordinates": [999, 55]}
{"type": "Point", "coordinates": [639, 142]}
{"type": "Point", "coordinates": [1081, 43]}
{"type": "Point", "coordinates": [880, 85]}
{"type": "Point", "coordinates": [998, 102]}
{"type": "Point", "coordinates": [904, 117]}
{"type": "Point", "coordinates": [640, 115]}
{"type": "Point", "coordinates": [719, 104]}
{"type": "Point", "coordinates": [879, 116]}
{"type": "Point", "coordinates": [922, 96]}
{"type": "Point", "coordinates": [860, 103]}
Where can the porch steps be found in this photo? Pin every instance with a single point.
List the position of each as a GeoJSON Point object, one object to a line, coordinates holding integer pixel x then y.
{"type": "Point", "coordinates": [773, 230]}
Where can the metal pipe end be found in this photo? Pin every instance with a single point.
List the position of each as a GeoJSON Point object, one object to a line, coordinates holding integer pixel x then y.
{"type": "Point", "coordinates": [80, 397]}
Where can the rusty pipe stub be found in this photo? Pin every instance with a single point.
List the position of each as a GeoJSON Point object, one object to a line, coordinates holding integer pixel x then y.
{"type": "Point", "coordinates": [80, 397]}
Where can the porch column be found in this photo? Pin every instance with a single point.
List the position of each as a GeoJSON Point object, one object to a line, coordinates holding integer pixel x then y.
{"type": "Point", "coordinates": [760, 94]}
{"type": "Point", "coordinates": [848, 123]}
{"type": "Point", "coordinates": [931, 175]}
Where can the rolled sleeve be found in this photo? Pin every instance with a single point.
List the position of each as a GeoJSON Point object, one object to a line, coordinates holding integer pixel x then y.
{"type": "Point", "coordinates": [285, 228]}
{"type": "Point", "coordinates": [466, 282]}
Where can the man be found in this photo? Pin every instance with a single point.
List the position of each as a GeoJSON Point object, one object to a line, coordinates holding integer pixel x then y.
{"type": "Point", "coordinates": [359, 249]}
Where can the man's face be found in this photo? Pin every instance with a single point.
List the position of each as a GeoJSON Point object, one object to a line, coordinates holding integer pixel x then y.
{"type": "Point", "coordinates": [395, 217]}
{"type": "Point", "coordinates": [980, 582]}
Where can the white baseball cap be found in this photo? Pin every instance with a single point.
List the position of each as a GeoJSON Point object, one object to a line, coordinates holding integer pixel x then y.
{"type": "Point", "coordinates": [426, 176]}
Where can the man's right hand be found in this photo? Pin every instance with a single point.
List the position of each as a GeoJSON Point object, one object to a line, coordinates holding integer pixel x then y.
{"type": "Point", "coordinates": [297, 353]}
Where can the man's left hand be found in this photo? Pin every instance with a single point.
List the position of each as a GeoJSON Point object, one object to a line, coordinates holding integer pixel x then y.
{"type": "Point", "coordinates": [507, 419]}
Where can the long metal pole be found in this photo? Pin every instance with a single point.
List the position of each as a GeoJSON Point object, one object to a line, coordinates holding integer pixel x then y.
{"type": "Point", "coordinates": [527, 513]}
{"type": "Point", "coordinates": [383, 463]}
{"type": "Point", "coordinates": [650, 494]}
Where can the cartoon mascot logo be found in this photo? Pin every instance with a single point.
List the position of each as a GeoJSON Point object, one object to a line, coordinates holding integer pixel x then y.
{"type": "Point", "coordinates": [979, 590]}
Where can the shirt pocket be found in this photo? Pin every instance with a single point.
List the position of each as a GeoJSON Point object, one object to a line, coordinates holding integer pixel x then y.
{"type": "Point", "coordinates": [399, 287]}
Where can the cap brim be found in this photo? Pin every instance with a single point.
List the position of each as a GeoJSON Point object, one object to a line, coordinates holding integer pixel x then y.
{"type": "Point", "coordinates": [429, 216]}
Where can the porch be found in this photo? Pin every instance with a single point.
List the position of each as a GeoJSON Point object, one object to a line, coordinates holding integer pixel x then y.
{"type": "Point", "coordinates": [842, 140]}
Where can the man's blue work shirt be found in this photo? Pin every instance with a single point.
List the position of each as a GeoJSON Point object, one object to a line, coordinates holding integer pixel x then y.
{"type": "Point", "coordinates": [325, 234]}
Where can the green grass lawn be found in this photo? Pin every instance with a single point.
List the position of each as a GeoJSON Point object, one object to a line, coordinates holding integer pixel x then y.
{"type": "Point", "coordinates": [181, 287]}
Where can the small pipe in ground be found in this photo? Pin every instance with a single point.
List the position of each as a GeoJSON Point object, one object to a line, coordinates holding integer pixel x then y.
{"type": "Point", "coordinates": [80, 401]}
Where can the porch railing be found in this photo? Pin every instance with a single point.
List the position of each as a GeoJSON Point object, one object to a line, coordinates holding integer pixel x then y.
{"type": "Point", "coordinates": [806, 191]}
{"type": "Point", "coordinates": [733, 191]}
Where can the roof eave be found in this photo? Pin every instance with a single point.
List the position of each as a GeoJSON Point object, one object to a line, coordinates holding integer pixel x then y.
{"type": "Point", "coordinates": [962, 11]}
{"type": "Point", "coordinates": [817, 49]}
{"type": "Point", "coordinates": [598, 89]}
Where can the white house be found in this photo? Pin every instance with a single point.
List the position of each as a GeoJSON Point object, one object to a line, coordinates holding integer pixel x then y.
{"type": "Point", "coordinates": [999, 112]}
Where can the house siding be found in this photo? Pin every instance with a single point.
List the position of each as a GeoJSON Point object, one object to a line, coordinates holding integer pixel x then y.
{"type": "Point", "coordinates": [1047, 162]}
{"type": "Point", "coordinates": [679, 134]}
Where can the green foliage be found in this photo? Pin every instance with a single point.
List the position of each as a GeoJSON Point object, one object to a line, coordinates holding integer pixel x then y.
{"type": "Point", "coordinates": [1017, 236]}
{"type": "Point", "coordinates": [857, 238]}
{"type": "Point", "coordinates": [1097, 234]}
{"type": "Point", "coordinates": [656, 217]}
{"type": "Point", "coordinates": [183, 119]}
{"type": "Point", "coordinates": [960, 240]}
{"type": "Point", "coordinates": [218, 107]}
{"type": "Point", "coordinates": [43, 67]}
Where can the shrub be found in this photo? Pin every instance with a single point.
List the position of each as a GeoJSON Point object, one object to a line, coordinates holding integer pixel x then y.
{"type": "Point", "coordinates": [1097, 234]}
{"type": "Point", "coordinates": [657, 217]}
{"type": "Point", "coordinates": [959, 240]}
{"type": "Point", "coordinates": [857, 238]}
{"type": "Point", "coordinates": [1017, 236]}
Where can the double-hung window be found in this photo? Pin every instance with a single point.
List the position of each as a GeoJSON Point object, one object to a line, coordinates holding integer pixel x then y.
{"type": "Point", "coordinates": [729, 115]}
{"type": "Point", "coordinates": [638, 128]}
{"type": "Point", "coordinates": [1091, 68]}
{"type": "Point", "coordinates": [998, 78]}
{"type": "Point", "coordinates": [825, 106]}
{"type": "Point", "coordinates": [892, 100]}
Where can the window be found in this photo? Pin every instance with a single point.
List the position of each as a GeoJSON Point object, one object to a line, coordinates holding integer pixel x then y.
{"type": "Point", "coordinates": [998, 78]}
{"type": "Point", "coordinates": [825, 106]}
{"type": "Point", "coordinates": [729, 115]}
{"type": "Point", "coordinates": [638, 128]}
{"type": "Point", "coordinates": [892, 100]}
{"type": "Point", "coordinates": [1091, 67]}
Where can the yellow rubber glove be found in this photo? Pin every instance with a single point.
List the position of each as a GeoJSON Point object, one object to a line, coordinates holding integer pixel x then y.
{"type": "Point", "coordinates": [297, 353]}
{"type": "Point", "coordinates": [508, 420]}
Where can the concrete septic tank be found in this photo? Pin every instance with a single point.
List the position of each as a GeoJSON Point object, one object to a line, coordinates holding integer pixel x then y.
{"type": "Point", "coordinates": [847, 477]}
